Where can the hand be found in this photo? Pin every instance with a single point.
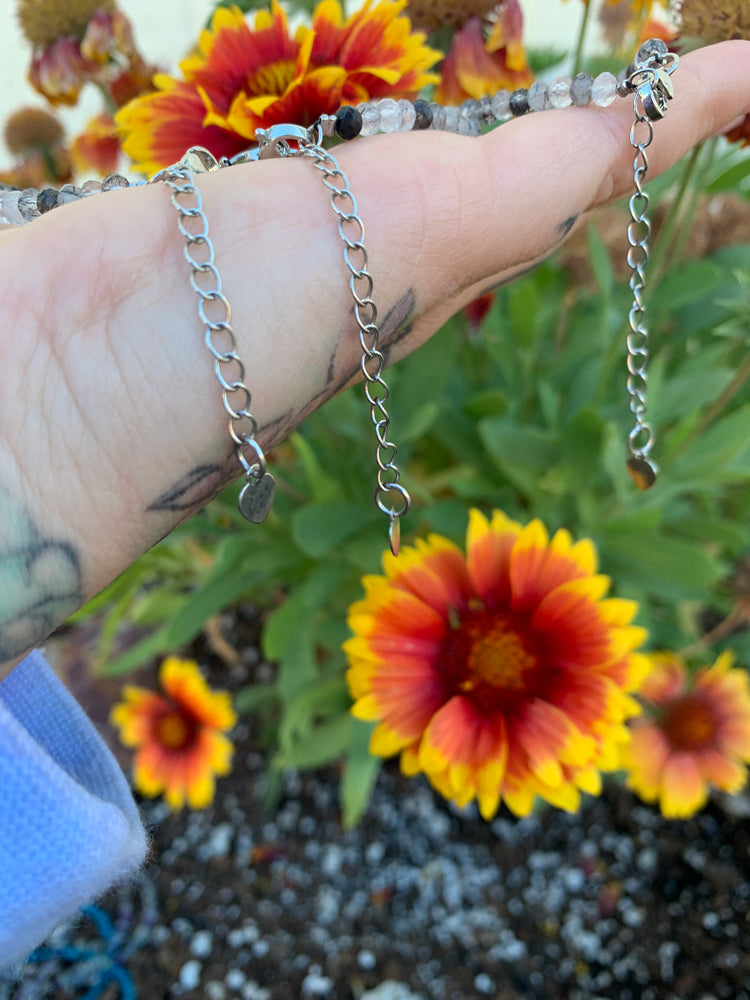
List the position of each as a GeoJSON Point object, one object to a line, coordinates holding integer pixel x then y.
{"type": "Point", "coordinates": [111, 425]}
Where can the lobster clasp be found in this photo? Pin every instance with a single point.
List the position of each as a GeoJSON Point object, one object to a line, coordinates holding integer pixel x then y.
{"type": "Point", "coordinates": [275, 141]}
{"type": "Point", "coordinates": [651, 79]}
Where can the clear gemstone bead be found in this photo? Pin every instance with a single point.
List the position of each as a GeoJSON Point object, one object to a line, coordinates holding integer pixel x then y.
{"type": "Point", "coordinates": [9, 212]}
{"type": "Point", "coordinates": [604, 90]}
{"type": "Point", "coordinates": [91, 187]}
{"type": "Point", "coordinates": [408, 115]}
{"type": "Point", "coordinates": [452, 115]}
{"type": "Point", "coordinates": [390, 115]}
{"type": "Point", "coordinates": [370, 119]}
{"type": "Point", "coordinates": [538, 97]}
{"type": "Point", "coordinates": [501, 105]}
{"type": "Point", "coordinates": [559, 92]}
{"type": "Point", "coordinates": [438, 117]}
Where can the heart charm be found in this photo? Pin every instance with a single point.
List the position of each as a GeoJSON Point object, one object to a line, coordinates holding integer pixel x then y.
{"type": "Point", "coordinates": [256, 498]}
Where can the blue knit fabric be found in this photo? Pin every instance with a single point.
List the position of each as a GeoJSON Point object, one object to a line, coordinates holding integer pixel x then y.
{"type": "Point", "coordinates": [68, 825]}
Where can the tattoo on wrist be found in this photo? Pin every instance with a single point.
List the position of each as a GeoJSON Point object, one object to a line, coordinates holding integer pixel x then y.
{"type": "Point", "coordinates": [40, 581]}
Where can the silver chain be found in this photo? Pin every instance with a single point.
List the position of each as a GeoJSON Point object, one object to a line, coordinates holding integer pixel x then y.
{"type": "Point", "coordinates": [390, 496]}
{"type": "Point", "coordinates": [652, 86]}
{"type": "Point", "coordinates": [257, 493]}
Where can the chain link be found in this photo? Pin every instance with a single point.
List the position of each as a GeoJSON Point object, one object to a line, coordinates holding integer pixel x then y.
{"type": "Point", "coordinates": [391, 497]}
{"type": "Point", "coordinates": [650, 81]}
{"type": "Point", "coordinates": [216, 315]}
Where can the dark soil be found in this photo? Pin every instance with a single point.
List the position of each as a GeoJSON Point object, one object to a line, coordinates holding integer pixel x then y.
{"type": "Point", "coordinates": [421, 902]}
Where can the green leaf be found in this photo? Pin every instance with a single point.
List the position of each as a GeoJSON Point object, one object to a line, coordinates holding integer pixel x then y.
{"type": "Point", "coordinates": [581, 446]}
{"type": "Point", "coordinates": [212, 597]}
{"type": "Point", "coordinates": [324, 744]}
{"type": "Point", "coordinates": [319, 528]}
{"type": "Point", "coordinates": [360, 773]}
{"type": "Point", "coordinates": [708, 459]}
{"type": "Point", "coordinates": [509, 443]}
{"type": "Point", "coordinates": [317, 700]}
{"type": "Point", "coordinates": [667, 567]}
{"type": "Point", "coordinates": [730, 178]}
{"type": "Point", "coordinates": [600, 262]}
{"type": "Point", "coordinates": [136, 655]}
{"type": "Point", "coordinates": [683, 393]}
{"type": "Point", "coordinates": [254, 697]}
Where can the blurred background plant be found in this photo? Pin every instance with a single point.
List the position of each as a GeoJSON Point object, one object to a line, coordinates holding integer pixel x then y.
{"type": "Point", "coordinates": [518, 404]}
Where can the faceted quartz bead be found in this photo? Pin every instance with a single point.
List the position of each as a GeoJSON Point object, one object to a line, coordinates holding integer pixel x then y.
{"type": "Point", "coordinates": [46, 200]}
{"type": "Point", "coordinates": [604, 90]}
{"type": "Point", "coordinates": [9, 211]}
{"type": "Point", "coordinates": [438, 117]}
{"type": "Point", "coordinates": [559, 92]}
{"type": "Point", "coordinates": [91, 187]}
{"type": "Point", "coordinates": [538, 97]}
{"type": "Point", "coordinates": [580, 89]}
{"type": "Point", "coordinates": [370, 119]}
{"type": "Point", "coordinates": [501, 105]}
{"type": "Point", "coordinates": [452, 115]}
{"type": "Point", "coordinates": [408, 115]}
{"type": "Point", "coordinates": [390, 115]}
{"type": "Point", "coordinates": [468, 118]}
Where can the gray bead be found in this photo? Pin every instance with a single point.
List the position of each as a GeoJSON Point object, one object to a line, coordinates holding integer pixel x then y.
{"type": "Point", "coordinates": [27, 204]}
{"type": "Point", "coordinates": [501, 105]}
{"type": "Point", "coordinates": [653, 47]}
{"type": "Point", "coordinates": [484, 110]}
{"type": "Point", "coordinates": [66, 197]}
{"type": "Point", "coordinates": [538, 96]}
{"type": "Point", "coordinates": [580, 89]}
{"type": "Point", "coordinates": [114, 181]}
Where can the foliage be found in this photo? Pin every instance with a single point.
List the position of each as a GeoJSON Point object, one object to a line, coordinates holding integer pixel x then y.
{"type": "Point", "coordinates": [528, 414]}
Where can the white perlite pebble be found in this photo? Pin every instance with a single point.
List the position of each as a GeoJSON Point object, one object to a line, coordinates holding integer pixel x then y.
{"type": "Point", "coordinates": [202, 943]}
{"type": "Point", "coordinates": [190, 975]}
{"type": "Point", "coordinates": [389, 989]}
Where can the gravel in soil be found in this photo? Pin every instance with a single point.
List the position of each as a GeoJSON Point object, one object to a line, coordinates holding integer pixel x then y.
{"type": "Point", "coordinates": [421, 901]}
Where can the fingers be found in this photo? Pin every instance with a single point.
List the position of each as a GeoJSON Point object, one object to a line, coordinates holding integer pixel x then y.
{"type": "Point", "coordinates": [446, 213]}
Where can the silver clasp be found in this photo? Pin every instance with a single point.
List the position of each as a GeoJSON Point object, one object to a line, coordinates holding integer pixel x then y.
{"type": "Point", "coordinates": [651, 83]}
{"type": "Point", "coordinates": [275, 141]}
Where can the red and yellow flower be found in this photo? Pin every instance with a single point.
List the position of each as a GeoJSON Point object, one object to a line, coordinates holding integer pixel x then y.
{"type": "Point", "coordinates": [484, 58]}
{"type": "Point", "coordinates": [694, 734]}
{"type": "Point", "coordinates": [97, 147]}
{"type": "Point", "coordinates": [248, 76]}
{"type": "Point", "coordinates": [178, 734]}
{"type": "Point", "coordinates": [503, 674]}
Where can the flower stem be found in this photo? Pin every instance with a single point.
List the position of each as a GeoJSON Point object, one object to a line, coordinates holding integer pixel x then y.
{"type": "Point", "coordinates": [716, 409]}
{"type": "Point", "coordinates": [736, 619]}
{"type": "Point", "coordinates": [581, 39]}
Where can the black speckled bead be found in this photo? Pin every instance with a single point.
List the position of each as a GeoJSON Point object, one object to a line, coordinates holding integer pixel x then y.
{"type": "Point", "coordinates": [519, 102]}
{"type": "Point", "coordinates": [348, 122]}
{"type": "Point", "coordinates": [46, 200]}
{"type": "Point", "coordinates": [423, 113]}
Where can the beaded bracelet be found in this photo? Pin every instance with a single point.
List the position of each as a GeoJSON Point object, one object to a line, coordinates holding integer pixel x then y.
{"type": "Point", "coordinates": [647, 80]}
{"type": "Point", "coordinates": [18, 206]}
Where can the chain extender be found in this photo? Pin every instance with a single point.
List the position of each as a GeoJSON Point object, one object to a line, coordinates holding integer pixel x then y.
{"type": "Point", "coordinates": [652, 87]}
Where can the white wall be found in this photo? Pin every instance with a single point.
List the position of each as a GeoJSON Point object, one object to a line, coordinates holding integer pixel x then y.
{"type": "Point", "coordinates": [165, 29]}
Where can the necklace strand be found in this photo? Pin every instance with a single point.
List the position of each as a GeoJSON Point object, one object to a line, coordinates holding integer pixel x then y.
{"type": "Point", "coordinates": [19, 206]}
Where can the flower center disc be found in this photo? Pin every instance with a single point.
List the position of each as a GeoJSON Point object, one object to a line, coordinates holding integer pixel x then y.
{"type": "Point", "coordinates": [499, 658]}
{"type": "Point", "coordinates": [689, 724]}
{"type": "Point", "coordinates": [173, 731]}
